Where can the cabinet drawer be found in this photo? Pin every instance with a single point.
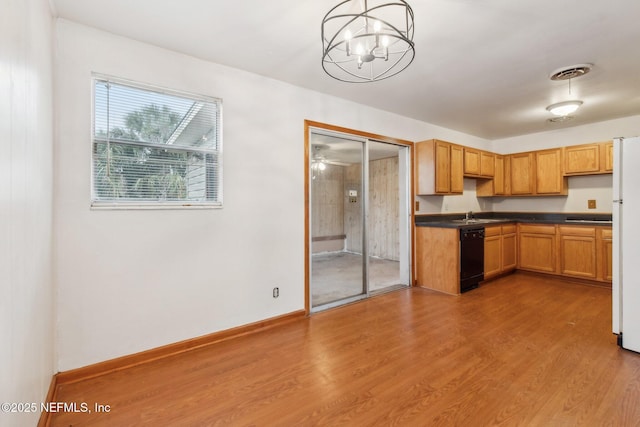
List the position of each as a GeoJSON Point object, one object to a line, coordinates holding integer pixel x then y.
{"type": "Point", "coordinates": [492, 231]}
{"type": "Point", "coordinates": [607, 233]}
{"type": "Point", "coordinates": [577, 231]}
{"type": "Point", "coordinates": [508, 229]}
{"type": "Point", "coordinates": [537, 229]}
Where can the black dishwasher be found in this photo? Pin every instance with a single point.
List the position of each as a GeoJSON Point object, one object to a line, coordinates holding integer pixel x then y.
{"type": "Point", "coordinates": [471, 258]}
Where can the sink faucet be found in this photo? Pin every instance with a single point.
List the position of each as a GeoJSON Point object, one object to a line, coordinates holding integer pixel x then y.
{"type": "Point", "coordinates": [468, 215]}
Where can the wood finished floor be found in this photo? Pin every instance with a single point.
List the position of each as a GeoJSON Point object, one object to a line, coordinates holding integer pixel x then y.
{"type": "Point", "coordinates": [522, 350]}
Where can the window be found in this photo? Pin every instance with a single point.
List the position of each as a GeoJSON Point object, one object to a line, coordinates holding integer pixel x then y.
{"type": "Point", "coordinates": [155, 148]}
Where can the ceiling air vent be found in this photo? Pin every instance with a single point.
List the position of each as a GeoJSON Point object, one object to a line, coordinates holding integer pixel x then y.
{"type": "Point", "coordinates": [571, 72]}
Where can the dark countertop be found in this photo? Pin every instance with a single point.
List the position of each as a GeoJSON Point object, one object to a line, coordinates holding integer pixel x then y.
{"type": "Point", "coordinates": [482, 219]}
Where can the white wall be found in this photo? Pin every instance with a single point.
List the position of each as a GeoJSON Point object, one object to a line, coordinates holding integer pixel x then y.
{"type": "Point", "coordinates": [26, 141]}
{"type": "Point", "coordinates": [134, 280]}
{"type": "Point", "coordinates": [460, 203]}
{"type": "Point", "coordinates": [595, 132]}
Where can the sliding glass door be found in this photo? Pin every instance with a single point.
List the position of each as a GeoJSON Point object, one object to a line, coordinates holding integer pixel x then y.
{"type": "Point", "coordinates": [359, 218]}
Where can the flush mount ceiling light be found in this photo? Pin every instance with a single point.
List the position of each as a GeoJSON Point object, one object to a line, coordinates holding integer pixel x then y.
{"type": "Point", "coordinates": [564, 108]}
{"type": "Point", "coordinates": [367, 40]}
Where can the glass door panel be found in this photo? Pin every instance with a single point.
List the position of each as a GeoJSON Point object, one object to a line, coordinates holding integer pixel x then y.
{"type": "Point", "coordinates": [387, 219]}
{"type": "Point", "coordinates": [337, 220]}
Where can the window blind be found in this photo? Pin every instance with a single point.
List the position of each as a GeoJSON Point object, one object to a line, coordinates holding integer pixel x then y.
{"type": "Point", "coordinates": [155, 147]}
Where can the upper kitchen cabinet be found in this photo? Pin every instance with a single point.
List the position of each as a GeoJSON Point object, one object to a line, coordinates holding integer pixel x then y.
{"type": "Point", "coordinates": [522, 176]}
{"type": "Point", "coordinates": [537, 173]}
{"type": "Point", "coordinates": [478, 163]}
{"type": "Point", "coordinates": [549, 179]}
{"type": "Point", "coordinates": [588, 159]}
{"type": "Point", "coordinates": [438, 168]}
{"type": "Point", "coordinates": [607, 148]}
{"type": "Point", "coordinates": [499, 185]}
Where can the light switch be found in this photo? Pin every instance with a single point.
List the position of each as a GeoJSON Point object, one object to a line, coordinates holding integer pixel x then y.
{"type": "Point", "coordinates": [591, 204]}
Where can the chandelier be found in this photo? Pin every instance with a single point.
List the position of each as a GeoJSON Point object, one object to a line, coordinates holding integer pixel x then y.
{"type": "Point", "coordinates": [367, 40]}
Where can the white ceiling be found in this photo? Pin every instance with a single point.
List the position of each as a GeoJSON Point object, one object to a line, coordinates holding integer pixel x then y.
{"type": "Point", "coordinates": [481, 66]}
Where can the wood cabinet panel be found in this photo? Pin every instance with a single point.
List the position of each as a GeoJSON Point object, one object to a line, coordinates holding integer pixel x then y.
{"type": "Point", "coordinates": [498, 185]}
{"type": "Point", "coordinates": [487, 164]}
{"type": "Point", "coordinates": [588, 159]}
{"type": "Point", "coordinates": [578, 256]}
{"type": "Point", "coordinates": [499, 250]}
{"type": "Point", "coordinates": [608, 156]}
{"type": "Point", "coordinates": [606, 254]}
{"type": "Point", "coordinates": [607, 260]}
{"type": "Point", "coordinates": [509, 228]}
{"type": "Point", "coordinates": [456, 167]}
{"type": "Point", "coordinates": [537, 229]}
{"type": "Point", "coordinates": [492, 255]}
{"type": "Point", "coordinates": [478, 163]}
{"type": "Point", "coordinates": [471, 161]}
{"type": "Point", "coordinates": [582, 159]}
{"type": "Point", "coordinates": [537, 248]}
{"type": "Point", "coordinates": [442, 170]}
{"type": "Point", "coordinates": [522, 174]}
{"type": "Point", "coordinates": [438, 168]}
{"type": "Point", "coordinates": [499, 176]}
{"type": "Point", "coordinates": [548, 176]}
{"type": "Point", "coordinates": [509, 251]}
{"type": "Point", "coordinates": [438, 259]}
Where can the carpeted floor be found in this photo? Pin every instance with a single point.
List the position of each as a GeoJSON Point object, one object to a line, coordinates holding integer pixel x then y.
{"type": "Point", "coordinates": [338, 275]}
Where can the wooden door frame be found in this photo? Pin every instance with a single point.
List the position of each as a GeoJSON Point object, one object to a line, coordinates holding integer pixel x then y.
{"type": "Point", "coordinates": [308, 124]}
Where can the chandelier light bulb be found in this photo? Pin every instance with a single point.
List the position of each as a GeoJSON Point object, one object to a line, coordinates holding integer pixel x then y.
{"type": "Point", "coordinates": [322, 166]}
{"type": "Point", "coordinates": [377, 26]}
{"type": "Point", "coordinates": [385, 41]}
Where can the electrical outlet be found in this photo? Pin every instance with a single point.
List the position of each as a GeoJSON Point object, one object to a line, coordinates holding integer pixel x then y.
{"type": "Point", "coordinates": [591, 204]}
{"type": "Point", "coordinates": [276, 292]}
{"type": "Point", "coordinates": [417, 205]}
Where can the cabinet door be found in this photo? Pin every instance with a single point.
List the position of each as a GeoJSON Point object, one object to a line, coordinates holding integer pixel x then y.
{"type": "Point", "coordinates": [537, 248]}
{"type": "Point", "coordinates": [578, 256]}
{"type": "Point", "coordinates": [471, 161]}
{"type": "Point", "coordinates": [492, 252]}
{"type": "Point", "coordinates": [608, 156]}
{"type": "Point", "coordinates": [521, 176]}
{"type": "Point", "coordinates": [442, 162]}
{"type": "Point", "coordinates": [607, 255]}
{"type": "Point", "coordinates": [456, 168]}
{"type": "Point", "coordinates": [509, 252]}
{"type": "Point", "coordinates": [487, 164]}
{"type": "Point", "coordinates": [582, 159]}
{"type": "Point", "coordinates": [498, 177]}
{"type": "Point", "coordinates": [549, 178]}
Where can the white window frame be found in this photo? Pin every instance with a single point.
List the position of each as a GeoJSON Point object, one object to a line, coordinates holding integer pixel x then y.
{"type": "Point", "coordinates": [157, 204]}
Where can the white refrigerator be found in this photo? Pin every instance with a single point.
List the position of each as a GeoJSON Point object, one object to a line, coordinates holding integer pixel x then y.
{"type": "Point", "coordinates": [626, 242]}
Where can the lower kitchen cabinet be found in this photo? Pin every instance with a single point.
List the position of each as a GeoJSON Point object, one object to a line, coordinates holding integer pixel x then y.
{"type": "Point", "coordinates": [537, 248]}
{"type": "Point", "coordinates": [438, 259]}
{"type": "Point", "coordinates": [578, 249]}
{"type": "Point", "coordinates": [499, 250]}
{"type": "Point", "coordinates": [605, 237]}
{"type": "Point", "coordinates": [509, 247]}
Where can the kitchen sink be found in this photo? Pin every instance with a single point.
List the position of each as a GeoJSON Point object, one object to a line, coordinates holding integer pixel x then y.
{"type": "Point", "coordinates": [477, 221]}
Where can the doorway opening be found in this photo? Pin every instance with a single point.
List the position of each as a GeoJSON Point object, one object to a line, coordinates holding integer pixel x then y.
{"type": "Point", "coordinates": [358, 216]}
